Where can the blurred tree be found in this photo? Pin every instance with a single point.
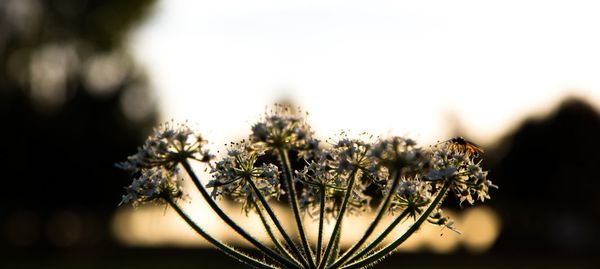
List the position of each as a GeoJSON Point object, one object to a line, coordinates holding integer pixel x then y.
{"type": "Point", "coordinates": [72, 102]}
{"type": "Point", "coordinates": [546, 171]}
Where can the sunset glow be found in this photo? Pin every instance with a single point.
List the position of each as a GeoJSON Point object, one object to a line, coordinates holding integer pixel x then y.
{"type": "Point", "coordinates": [426, 69]}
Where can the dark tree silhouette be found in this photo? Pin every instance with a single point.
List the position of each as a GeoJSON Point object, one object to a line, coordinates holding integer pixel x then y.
{"type": "Point", "coordinates": [548, 182]}
{"type": "Point", "coordinates": [72, 102]}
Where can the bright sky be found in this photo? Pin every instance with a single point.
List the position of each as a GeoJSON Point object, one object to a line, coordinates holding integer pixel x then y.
{"type": "Point", "coordinates": [387, 67]}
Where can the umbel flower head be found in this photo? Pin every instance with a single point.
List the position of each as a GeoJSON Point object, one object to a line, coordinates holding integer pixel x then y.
{"type": "Point", "coordinates": [412, 195]}
{"type": "Point", "coordinates": [399, 154]}
{"type": "Point", "coordinates": [169, 144]}
{"type": "Point", "coordinates": [155, 163]}
{"type": "Point", "coordinates": [326, 181]}
{"type": "Point", "coordinates": [234, 175]}
{"type": "Point", "coordinates": [468, 180]}
{"type": "Point", "coordinates": [153, 184]}
{"type": "Point", "coordinates": [284, 129]}
{"type": "Point", "coordinates": [330, 174]}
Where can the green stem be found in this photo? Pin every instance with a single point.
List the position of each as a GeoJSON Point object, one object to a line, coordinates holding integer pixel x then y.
{"type": "Point", "coordinates": [269, 231]}
{"type": "Point", "coordinates": [382, 210]}
{"type": "Point", "coordinates": [287, 169]}
{"type": "Point", "coordinates": [391, 247]}
{"type": "Point", "coordinates": [321, 219]}
{"type": "Point", "coordinates": [225, 248]}
{"type": "Point", "coordinates": [275, 220]}
{"type": "Point", "coordinates": [380, 237]}
{"type": "Point", "coordinates": [336, 249]}
{"type": "Point", "coordinates": [340, 218]}
{"type": "Point", "coordinates": [266, 250]}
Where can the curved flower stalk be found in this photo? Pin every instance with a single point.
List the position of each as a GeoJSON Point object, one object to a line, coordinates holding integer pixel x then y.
{"type": "Point", "coordinates": [239, 176]}
{"type": "Point", "coordinates": [401, 158]}
{"type": "Point", "coordinates": [327, 182]}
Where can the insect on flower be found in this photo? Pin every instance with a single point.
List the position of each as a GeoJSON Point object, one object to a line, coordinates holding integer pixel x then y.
{"type": "Point", "coordinates": [461, 145]}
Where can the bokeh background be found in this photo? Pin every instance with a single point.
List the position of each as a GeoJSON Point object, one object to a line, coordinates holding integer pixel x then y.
{"type": "Point", "coordinates": [82, 83]}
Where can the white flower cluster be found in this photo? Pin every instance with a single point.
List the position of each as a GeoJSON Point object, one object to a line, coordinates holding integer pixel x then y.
{"type": "Point", "coordinates": [328, 173]}
{"type": "Point", "coordinates": [399, 154]}
{"type": "Point", "coordinates": [153, 184]}
{"type": "Point", "coordinates": [469, 181]}
{"type": "Point", "coordinates": [283, 129]}
{"type": "Point", "coordinates": [406, 162]}
{"type": "Point", "coordinates": [250, 170]}
{"type": "Point", "coordinates": [170, 144]}
{"type": "Point", "coordinates": [331, 173]}
{"type": "Point", "coordinates": [155, 163]}
{"type": "Point", "coordinates": [234, 175]}
{"type": "Point", "coordinates": [413, 195]}
{"type": "Point", "coordinates": [322, 180]}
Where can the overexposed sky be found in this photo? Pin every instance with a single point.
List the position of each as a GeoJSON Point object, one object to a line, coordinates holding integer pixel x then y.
{"type": "Point", "coordinates": [387, 67]}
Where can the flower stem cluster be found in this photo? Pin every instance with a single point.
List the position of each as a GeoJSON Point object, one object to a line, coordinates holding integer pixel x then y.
{"type": "Point", "coordinates": [327, 182]}
{"type": "Point", "coordinates": [330, 175]}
